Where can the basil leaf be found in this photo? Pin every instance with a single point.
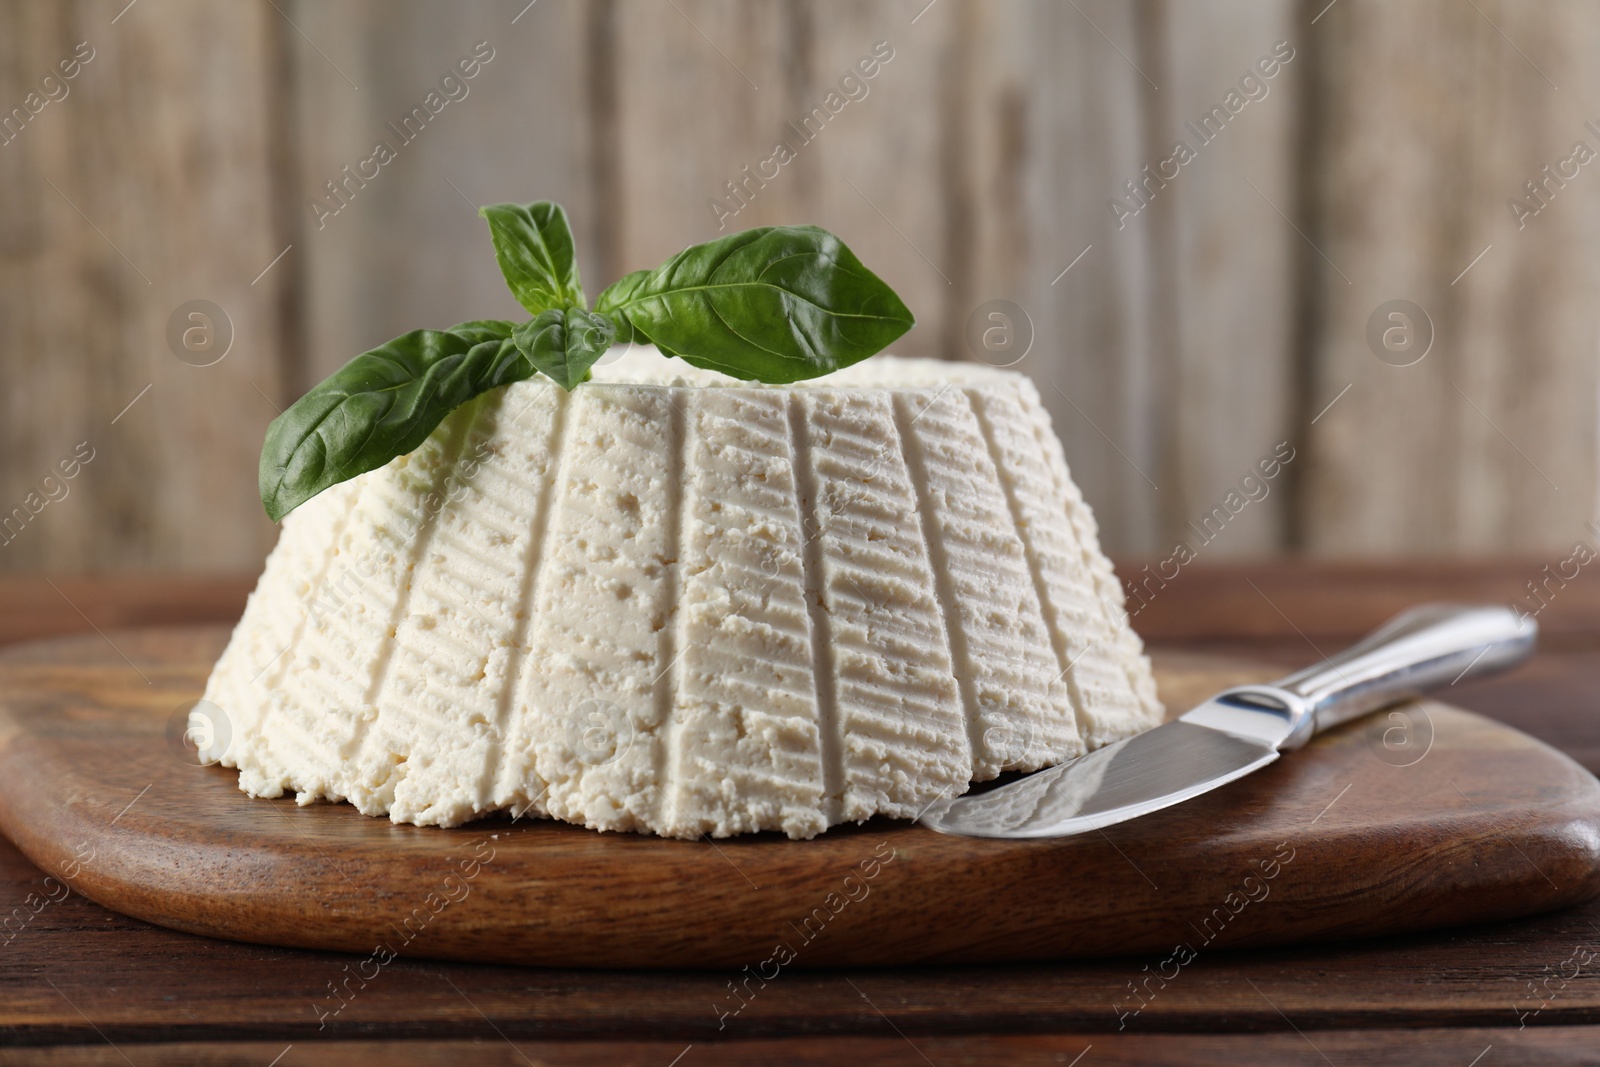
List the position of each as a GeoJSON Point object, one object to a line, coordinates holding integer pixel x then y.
{"type": "Point", "coordinates": [380, 405]}
{"type": "Point", "coordinates": [564, 343]}
{"type": "Point", "coordinates": [533, 244]}
{"type": "Point", "coordinates": [777, 304]}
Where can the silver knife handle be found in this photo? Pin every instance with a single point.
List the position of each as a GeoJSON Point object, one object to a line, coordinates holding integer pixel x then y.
{"type": "Point", "coordinates": [1417, 650]}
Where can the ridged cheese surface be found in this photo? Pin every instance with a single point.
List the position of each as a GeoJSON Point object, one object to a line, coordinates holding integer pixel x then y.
{"type": "Point", "coordinates": [675, 603]}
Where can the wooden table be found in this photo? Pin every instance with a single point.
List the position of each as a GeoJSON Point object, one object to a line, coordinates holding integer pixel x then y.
{"type": "Point", "coordinates": [79, 984]}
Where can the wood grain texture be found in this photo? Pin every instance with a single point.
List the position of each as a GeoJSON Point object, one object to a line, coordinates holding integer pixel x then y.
{"type": "Point", "coordinates": [1372, 1048]}
{"type": "Point", "coordinates": [1486, 824]}
{"type": "Point", "coordinates": [1432, 118]}
{"type": "Point", "coordinates": [146, 186]}
{"type": "Point", "coordinates": [1094, 351]}
{"type": "Point", "coordinates": [1228, 257]}
{"type": "Point", "coordinates": [167, 987]}
{"type": "Point", "coordinates": [1328, 601]}
{"type": "Point", "coordinates": [407, 248]}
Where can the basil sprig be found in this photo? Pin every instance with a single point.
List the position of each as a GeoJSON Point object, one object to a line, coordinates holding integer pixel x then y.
{"type": "Point", "coordinates": [775, 304]}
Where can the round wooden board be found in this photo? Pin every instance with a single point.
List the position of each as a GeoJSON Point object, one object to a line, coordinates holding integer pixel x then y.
{"type": "Point", "coordinates": [1348, 837]}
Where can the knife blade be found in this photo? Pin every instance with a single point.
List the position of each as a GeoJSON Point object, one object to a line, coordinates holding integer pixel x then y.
{"type": "Point", "coordinates": [1243, 729]}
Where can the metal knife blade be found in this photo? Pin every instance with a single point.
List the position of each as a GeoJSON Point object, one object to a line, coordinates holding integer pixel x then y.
{"type": "Point", "coordinates": [1145, 773]}
{"type": "Point", "coordinates": [1242, 730]}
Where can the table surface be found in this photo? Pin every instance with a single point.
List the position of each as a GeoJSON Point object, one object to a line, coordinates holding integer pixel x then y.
{"type": "Point", "coordinates": [79, 984]}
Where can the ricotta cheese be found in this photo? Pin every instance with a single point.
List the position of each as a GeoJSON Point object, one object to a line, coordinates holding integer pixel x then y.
{"type": "Point", "coordinates": [676, 603]}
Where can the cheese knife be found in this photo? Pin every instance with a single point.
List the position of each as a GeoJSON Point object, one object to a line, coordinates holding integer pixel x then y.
{"type": "Point", "coordinates": [1243, 729]}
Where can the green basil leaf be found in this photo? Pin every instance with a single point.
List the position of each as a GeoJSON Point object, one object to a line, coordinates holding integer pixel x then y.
{"type": "Point", "coordinates": [533, 244]}
{"type": "Point", "coordinates": [565, 342]}
{"type": "Point", "coordinates": [776, 304]}
{"type": "Point", "coordinates": [380, 405]}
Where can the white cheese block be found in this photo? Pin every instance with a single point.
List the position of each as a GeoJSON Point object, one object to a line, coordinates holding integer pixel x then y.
{"type": "Point", "coordinates": [676, 603]}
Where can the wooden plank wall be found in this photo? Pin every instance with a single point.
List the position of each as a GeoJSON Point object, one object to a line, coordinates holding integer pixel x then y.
{"type": "Point", "coordinates": [148, 184]}
{"type": "Point", "coordinates": [1186, 340]}
{"type": "Point", "coordinates": [1431, 119]}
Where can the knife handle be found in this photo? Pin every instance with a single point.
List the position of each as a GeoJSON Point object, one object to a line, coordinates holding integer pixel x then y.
{"type": "Point", "coordinates": [1421, 649]}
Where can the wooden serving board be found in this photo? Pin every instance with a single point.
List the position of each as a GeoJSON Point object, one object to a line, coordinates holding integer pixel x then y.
{"type": "Point", "coordinates": [1351, 837]}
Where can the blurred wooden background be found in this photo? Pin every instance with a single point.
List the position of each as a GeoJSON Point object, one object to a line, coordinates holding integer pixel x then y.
{"type": "Point", "coordinates": [1181, 348]}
